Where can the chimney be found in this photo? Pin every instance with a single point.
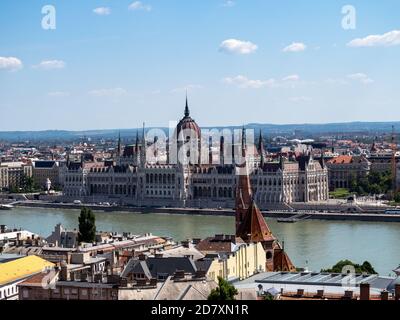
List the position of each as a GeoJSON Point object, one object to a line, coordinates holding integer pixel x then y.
{"type": "Point", "coordinates": [364, 291]}
{"type": "Point", "coordinates": [142, 257]}
{"type": "Point", "coordinates": [384, 295]}
{"type": "Point", "coordinates": [185, 243]}
{"type": "Point", "coordinates": [64, 274]}
{"type": "Point", "coordinates": [179, 274]}
{"type": "Point", "coordinates": [348, 294]}
{"type": "Point", "coordinates": [397, 292]}
{"type": "Point", "coordinates": [200, 274]}
{"type": "Point", "coordinates": [196, 241]}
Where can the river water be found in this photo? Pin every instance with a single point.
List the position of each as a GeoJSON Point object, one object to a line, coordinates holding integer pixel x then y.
{"type": "Point", "coordinates": [310, 243]}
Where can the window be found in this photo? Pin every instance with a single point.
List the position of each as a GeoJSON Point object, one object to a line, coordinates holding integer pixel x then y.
{"type": "Point", "coordinates": [84, 292]}
{"type": "Point", "coordinates": [25, 293]}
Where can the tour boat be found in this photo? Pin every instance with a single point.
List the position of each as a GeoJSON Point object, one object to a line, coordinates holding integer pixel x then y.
{"type": "Point", "coordinates": [6, 206]}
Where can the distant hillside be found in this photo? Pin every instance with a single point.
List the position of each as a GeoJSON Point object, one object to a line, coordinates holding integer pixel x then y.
{"type": "Point", "coordinates": [303, 129]}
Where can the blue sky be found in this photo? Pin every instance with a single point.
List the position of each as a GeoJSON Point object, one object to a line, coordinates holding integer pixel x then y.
{"type": "Point", "coordinates": [131, 61]}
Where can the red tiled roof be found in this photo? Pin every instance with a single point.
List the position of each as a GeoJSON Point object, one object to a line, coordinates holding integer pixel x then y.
{"type": "Point", "coordinates": [254, 227]}
{"type": "Point", "coordinates": [213, 245]}
{"type": "Point", "coordinates": [341, 160]}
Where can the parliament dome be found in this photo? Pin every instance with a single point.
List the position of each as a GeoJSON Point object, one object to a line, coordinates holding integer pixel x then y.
{"type": "Point", "coordinates": [188, 123]}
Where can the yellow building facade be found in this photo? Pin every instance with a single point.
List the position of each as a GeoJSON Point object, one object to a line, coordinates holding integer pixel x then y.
{"type": "Point", "coordinates": [249, 259]}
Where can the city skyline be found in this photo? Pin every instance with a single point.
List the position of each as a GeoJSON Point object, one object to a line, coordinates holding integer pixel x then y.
{"type": "Point", "coordinates": [114, 65]}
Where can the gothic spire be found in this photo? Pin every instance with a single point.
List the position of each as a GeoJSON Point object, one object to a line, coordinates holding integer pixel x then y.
{"type": "Point", "coordinates": [137, 142]}
{"type": "Point", "coordinates": [244, 142]}
{"type": "Point", "coordinates": [119, 143]}
{"type": "Point", "coordinates": [261, 149]}
{"type": "Point", "coordinates": [143, 149]}
{"type": "Point", "coordinates": [187, 111]}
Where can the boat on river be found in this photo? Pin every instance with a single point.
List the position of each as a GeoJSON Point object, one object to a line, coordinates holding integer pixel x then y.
{"type": "Point", "coordinates": [6, 207]}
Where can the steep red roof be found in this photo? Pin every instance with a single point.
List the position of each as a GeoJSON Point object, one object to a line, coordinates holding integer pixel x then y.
{"type": "Point", "coordinates": [282, 261]}
{"type": "Point", "coordinates": [254, 228]}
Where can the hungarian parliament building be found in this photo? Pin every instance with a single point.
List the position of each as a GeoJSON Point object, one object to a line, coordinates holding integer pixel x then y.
{"type": "Point", "coordinates": [134, 178]}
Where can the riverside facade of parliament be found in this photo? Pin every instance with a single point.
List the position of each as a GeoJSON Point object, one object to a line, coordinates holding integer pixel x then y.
{"type": "Point", "coordinates": [134, 178]}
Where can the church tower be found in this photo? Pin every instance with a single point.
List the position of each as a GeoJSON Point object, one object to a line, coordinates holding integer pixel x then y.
{"type": "Point", "coordinates": [251, 226]}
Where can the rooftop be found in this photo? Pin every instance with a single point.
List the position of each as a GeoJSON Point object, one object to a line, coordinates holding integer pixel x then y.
{"type": "Point", "coordinates": [21, 268]}
{"type": "Point", "coordinates": [315, 280]}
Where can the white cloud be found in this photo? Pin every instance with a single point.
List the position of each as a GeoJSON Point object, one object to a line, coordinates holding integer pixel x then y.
{"type": "Point", "coordinates": [102, 11]}
{"type": "Point", "coordinates": [189, 87]}
{"type": "Point", "coordinates": [58, 94]}
{"type": "Point", "coordinates": [113, 93]}
{"type": "Point", "coordinates": [228, 3]}
{"type": "Point", "coordinates": [295, 47]}
{"type": "Point", "coordinates": [244, 82]}
{"type": "Point", "coordinates": [137, 5]}
{"type": "Point", "coordinates": [362, 77]}
{"type": "Point", "coordinates": [10, 63]}
{"type": "Point", "coordinates": [50, 65]}
{"type": "Point", "coordinates": [388, 39]}
{"type": "Point", "coordinates": [238, 46]}
{"type": "Point", "coordinates": [290, 81]}
{"type": "Point", "coordinates": [292, 77]}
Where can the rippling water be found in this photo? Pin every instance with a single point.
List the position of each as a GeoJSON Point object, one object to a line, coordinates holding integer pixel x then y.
{"type": "Point", "coordinates": [312, 243]}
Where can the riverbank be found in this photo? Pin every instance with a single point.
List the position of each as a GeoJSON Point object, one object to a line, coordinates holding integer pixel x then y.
{"type": "Point", "coordinates": [309, 215]}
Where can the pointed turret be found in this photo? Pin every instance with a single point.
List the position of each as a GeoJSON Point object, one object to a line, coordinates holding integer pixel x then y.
{"type": "Point", "coordinates": [187, 111]}
{"type": "Point", "coordinates": [210, 152]}
{"type": "Point", "coordinates": [282, 162]}
{"type": "Point", "coordinates": [323, 164]}
{"type": "Point", "coordinates": [244, 142]}
{"type": "Point", "coordinates": [261, 150]}
{"type": "Point", "coordinates": [119, 148]}
{"type": "Point", "coordinates": [137, 149]}
{"type": "Point", "coordinates": [143, 148]}
{"type": "Point", "coordinates": [137, 142]}
{"type": "Point", "coordinates": [222, 151]}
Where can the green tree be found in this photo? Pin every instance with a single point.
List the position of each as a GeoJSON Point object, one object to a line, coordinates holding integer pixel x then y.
{"type": "Point", "coordinates": [28, 184]}
{"type": "Point", "coordinates": [353, 184]}
{"type": "Point", "coordinates": [224, 292]}
{"type": "Point", "coordinates": [374, 183]}
{"type": "Point", "coordinates": [397, 197]}
{"type": "Point", "coordinates": [366, 267]}
{"type": "Point", "coordinates": [87, 226]}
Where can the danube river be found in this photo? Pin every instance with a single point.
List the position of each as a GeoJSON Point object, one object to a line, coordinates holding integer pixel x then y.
{"type": "Point", "coordinates": [313, 244]}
